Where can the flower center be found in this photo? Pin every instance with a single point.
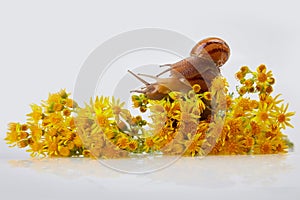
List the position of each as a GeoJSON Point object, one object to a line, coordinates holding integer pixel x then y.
{"type": "Point", "coordinates": [102, 120]}
{"type": "Point", "coordinates": [266, 148]}
{"type": "Point", "coordinates": [262, 77]}
{"type": "Point", "coordinates": [149, 143]}
{"type": "Point", "coordinates": [264, 116]}
{"type": "Point", "coordinates": [281, 118]}
{"type": "Point", "coordinates": [132, 146]}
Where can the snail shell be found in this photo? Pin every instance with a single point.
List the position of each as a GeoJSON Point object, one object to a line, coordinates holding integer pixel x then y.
{"type": "Point", "coordinates": [212, 48]}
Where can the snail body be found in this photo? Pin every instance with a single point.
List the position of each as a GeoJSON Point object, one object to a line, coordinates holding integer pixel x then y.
{"type": "Point", "coordinates": [162, 86]}
{"type": "Point", "coordinates": [201, 67]}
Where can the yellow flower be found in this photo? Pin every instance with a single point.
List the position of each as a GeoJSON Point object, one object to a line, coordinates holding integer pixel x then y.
{"type": "Point", "coordinates": [54, 98]}
{"type": "Point", "coordinates": [53, 132]}
{"type": "Point", "coordinates": [196, 88]}
{"type": "Point", "coordinates": [77, 141]}
{"type": "Point", "coordinates": [64, 151]}
{"type": "Point", "coordinates": [23, 135]}
{"type": "Point", "coordinates": [13, 135]}
{"type": "Point", "coordinates": [193, 148]}
{"type": "Point", "coordinates": [266, 148]}
{"type": "Point", "coordinates": [67, 112]}
{"type": "Point", "coordinates": [52, 146]}
{"type": "Point", "coordinates": [245, 69]}
{"type": "Point", "coordinates": [261, 68]}
{"type": "Point", "coordinates": [239, 75]}
{"type": "Point", "coordinates": [100, 103]}
{"type": "Point", "coordinates": [102, 120]}
{"type": "Point", "coordinates": [110, 134]}
{"type": "Point", "coordinates": [104, 113]}
{"type": "Point", "coordinates": [57, 107]}
{"type": "Point", "coordinates": [11, 138]}
{"type": "Point", "coordinates": [248, 83]}
{"type": "Point", "coordinates": [219, 84]}
{"type": "Point", "coordinates": [207, 96]}
{"type": "Point", "coordinates": [255, 128]}
{"type": "Point", "coordinates": [122, 142]}
{"type": "Point", "coordinates": [117, 106]}
{"type": "Point", "coordinates": [281, 146]}
{"type": "Point", "coordinates": [36, 113]}
{"type": "Point", "coordinates": [36, 132]}
{"type": "Point", "coordinates": [269, 89]}
{"type": "Point", "coordinates": [244, 103]}
{"type": "Point", "coordinates": [132, 145]}
{"type": "Point", "coordinates": [253, 104]}
{"type": "Point", "coordinates": [86, 153]}
{"type": "Point", "coordinates": [36, 148]}
{"type": "Point", "coordinates": [70, 103]}
{"type": "Point", "coordinates": [22, 143]}
{"type": "Point", "coordinates": [54, 118]}
{"type": "Point", "coordinates": [249, 142]}
{"type": "Point", "coordinates": [70, 145]}
{"type": "Point", "coordinates": [236, 126]}
{"type": "Point", "coordinates": [264, 78]}
{"type": "Point", "coordinates": [263, 114]}
{"type": "Point", "coordinates": [283, 117]}
{"type": "Point", "coordinates": [188, 112]}
{"type": "Point", "coordinates": [13, 127]}
{"type": "Point", "coordinates": [231, 147]}
{"type": "Point", "coordinates": [148, 144]}
{"type": "Point", "coordinates": [243, 90]}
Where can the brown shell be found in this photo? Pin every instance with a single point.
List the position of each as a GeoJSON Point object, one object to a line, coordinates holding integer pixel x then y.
{"type": "Point", "coordinates": [212, 48]}
{"type": "Point", "coordinates": [196, 70]}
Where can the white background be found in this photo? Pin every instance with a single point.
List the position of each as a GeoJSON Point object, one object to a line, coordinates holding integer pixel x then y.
{"type": "Point", "coordinates": [44, 43]}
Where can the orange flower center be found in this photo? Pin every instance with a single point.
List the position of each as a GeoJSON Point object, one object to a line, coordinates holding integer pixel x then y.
{"type": "Point", "coordinates": [264, 116]}
{"type": "Point", "coordinates": [281, 118]}
{"type": "Point", "coordinates": [262, 77]}
{"type": "Point", "coordinates": [35, 147]}
{"type": "Point", "coordinates": [122, 142]}
{"type": "Point", "coordinates": [149, 143]}
{"type": "Point", "coordinates": [239, 75]}
{"type": "Point", "coordinates": [193, 146]}
{"type": "Point", "coordinates": [248, 83]}
{"type": "Point", "coordinates": [116, 110]}
{"type": "Point", "coordinates": [132, 146]}
{"type": "Point", "coordinates": [266, 148]}
{"type": "Point", "coordinates": [102, 120]}
{"type": "Point", "coordinates": [52, 147]}
{"type": "Point", "coordinates": [249, 141]}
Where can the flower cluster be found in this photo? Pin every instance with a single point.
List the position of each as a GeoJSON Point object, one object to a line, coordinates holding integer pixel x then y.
{"type": "Point", "coordinates": [110, 131]}
{"type": "Point", "coordinates": [107, 129]}
{"type": "Point", "coordinates": [255, 125]}
{"type": "Point", "coordinates": [50, 128]}
{"type": "Point", "coordinates": [192, 124]}
{"type": "Point", "coordinates": [181, 123]}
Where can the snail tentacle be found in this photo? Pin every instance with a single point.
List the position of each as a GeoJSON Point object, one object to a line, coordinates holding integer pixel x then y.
{"type": "Point", "coordinates": [139, 78]}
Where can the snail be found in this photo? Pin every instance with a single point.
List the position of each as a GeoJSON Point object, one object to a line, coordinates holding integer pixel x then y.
{"type": "Point", "coordinates": [203, 65]}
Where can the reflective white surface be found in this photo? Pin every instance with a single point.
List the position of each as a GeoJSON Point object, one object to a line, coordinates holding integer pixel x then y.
{"type": "Point", "coordinates": [234, 177]}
